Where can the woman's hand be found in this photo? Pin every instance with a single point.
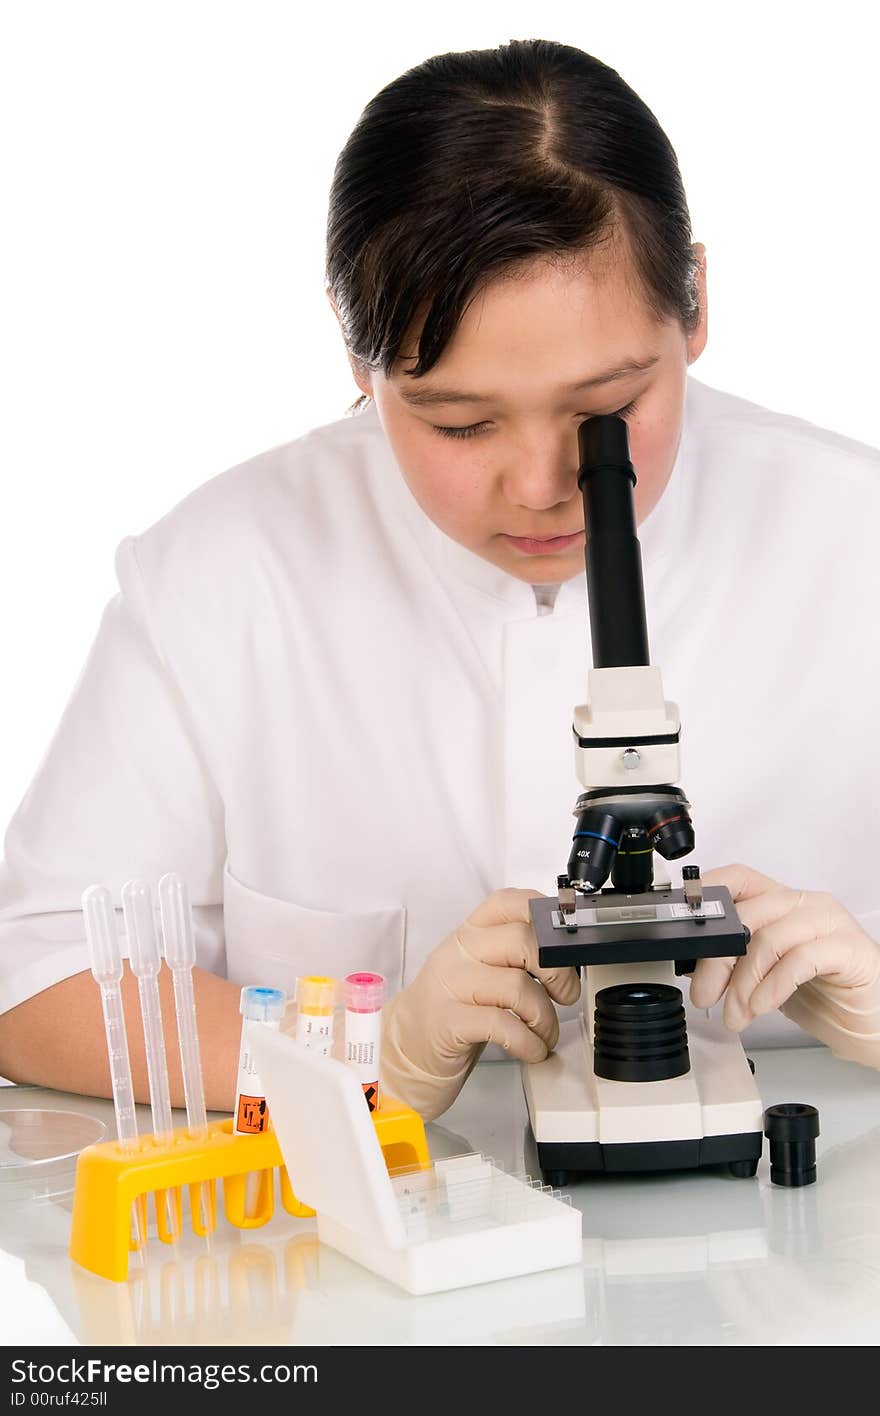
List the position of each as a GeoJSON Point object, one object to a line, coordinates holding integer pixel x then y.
{"type": "Point", "coordinates": [482, 984]}
{"type": "Point", "coordinates": [807, 956]}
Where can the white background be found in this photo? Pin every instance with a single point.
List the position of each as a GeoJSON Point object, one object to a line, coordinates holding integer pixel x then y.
{"type": "Point", "coordinates": [165, 172]}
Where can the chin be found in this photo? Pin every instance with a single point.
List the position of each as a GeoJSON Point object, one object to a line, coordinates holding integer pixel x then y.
{"type": "Point", "coordinates": [546, 570]}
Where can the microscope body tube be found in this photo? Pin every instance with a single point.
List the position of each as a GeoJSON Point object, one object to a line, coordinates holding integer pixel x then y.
{"type": "Point", "coordinates": [627, 735]}
{"type": "Point", "coordinates": [615, 587]}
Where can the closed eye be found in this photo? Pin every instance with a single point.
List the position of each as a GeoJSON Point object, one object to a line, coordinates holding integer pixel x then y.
{"type": "Point", "coordinates": [472, 430]}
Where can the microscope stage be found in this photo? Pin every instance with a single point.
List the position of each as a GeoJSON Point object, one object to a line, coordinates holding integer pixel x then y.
{"type": "Point", "coordinates": [615, 928]}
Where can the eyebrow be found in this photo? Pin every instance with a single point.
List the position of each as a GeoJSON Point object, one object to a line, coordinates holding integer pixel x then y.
{"type": "Point", "coordinates": [426, 398]}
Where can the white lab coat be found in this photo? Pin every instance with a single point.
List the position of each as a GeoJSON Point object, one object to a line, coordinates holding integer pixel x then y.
{"type": "Point", "coordinates": [345, 730]}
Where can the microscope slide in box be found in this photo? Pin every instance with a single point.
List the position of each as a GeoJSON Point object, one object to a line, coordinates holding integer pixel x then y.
{"type": "Point", "coordinates": [462, 1221]}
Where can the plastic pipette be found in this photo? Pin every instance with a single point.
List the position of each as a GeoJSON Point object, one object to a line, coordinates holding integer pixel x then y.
{"type": "Point", "coordinates": [143, 951]}
{"type": "Point", "coordinates": [100, 922]}
{"type": "Point", "coordinates": [180, 955]}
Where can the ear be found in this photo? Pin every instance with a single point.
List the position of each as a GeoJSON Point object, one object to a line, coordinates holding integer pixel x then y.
{"type": "Point", "coordinates": [696, 340]}
{"type": "Point", "coordinates": [360, 375]}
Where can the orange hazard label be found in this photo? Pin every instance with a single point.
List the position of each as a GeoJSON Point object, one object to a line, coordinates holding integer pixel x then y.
{"type": "Point", "coordinates": [253, 1114]}
{"type": "Point", "coordinates": [371, 1092]}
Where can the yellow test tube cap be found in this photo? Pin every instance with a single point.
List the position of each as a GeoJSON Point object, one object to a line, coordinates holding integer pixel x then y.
{"type": "Point", "coordinates": [316, 994]}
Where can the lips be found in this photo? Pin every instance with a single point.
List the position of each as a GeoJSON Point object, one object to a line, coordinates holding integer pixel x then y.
{"type": "Point", "coordinates": [544, 545]}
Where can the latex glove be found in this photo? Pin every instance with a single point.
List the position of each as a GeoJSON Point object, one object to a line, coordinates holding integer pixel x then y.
{"type": "Point", "coordinates": [807, 956]}
{"type": "Point", "coordinates": [473, 988]}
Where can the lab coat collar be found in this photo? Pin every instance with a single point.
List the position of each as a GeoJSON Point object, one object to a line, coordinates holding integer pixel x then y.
{"type": "Point", "coordinates": [488, 579]}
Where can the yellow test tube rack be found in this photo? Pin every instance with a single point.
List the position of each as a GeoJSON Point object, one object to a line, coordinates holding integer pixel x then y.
{"type": "Point", "coordinates": [111, 1179]}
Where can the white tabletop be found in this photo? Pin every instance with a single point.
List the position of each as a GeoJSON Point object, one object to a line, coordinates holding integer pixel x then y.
{"type": "Point", "coordinates": [687, 1259]}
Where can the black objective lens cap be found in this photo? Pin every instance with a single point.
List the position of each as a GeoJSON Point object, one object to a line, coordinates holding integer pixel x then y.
{"type": "Point", "coordinates": [791, 1127]}
{"type": "Point", "coordinates": [603, 441]}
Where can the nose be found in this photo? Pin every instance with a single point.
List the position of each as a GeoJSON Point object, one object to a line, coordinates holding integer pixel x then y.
{"type": "Point", "coordinates": [542, 473]}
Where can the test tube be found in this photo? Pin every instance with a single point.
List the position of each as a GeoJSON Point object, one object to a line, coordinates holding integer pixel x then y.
{"type": "Point", "coordinates": [100, 922]}
{"type": "Point", "coordinates": [143, 952]}
{"type": "Point", "coordinates": [315, 1000]}
{"type": "Point", "coordinates": [259, 1007]}
{"type": "Point", "coordinates": [180, 955]}
{"type": "Point", "coordinates": [364, 997]}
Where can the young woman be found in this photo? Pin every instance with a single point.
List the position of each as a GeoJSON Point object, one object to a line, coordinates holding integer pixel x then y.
{"type": "Point", "coordinates": [335, 689]}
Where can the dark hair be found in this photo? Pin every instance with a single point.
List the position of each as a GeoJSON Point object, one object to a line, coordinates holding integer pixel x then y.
{"type": "Point", "coordinates": [472, 163]}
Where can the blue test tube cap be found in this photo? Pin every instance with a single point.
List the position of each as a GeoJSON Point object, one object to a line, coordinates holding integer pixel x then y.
{"type": "Point", "coordinates": [262, 1005]}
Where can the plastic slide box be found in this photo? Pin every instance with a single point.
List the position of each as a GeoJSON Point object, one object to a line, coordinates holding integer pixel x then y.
{"type": "Point", "coordinates": [459, 1222]}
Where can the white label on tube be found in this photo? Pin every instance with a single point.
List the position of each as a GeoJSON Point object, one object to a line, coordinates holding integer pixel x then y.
{"type": "Point", "coordinates": [251, 1114]}
{"type": "Point", "coordinates": [363, 1032]}
{"type": "Point", "coordinates": [315, 1031]}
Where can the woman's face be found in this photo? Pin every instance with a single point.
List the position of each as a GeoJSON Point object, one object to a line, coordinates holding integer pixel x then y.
{"type": "Point", "coordinates": [487, 440]}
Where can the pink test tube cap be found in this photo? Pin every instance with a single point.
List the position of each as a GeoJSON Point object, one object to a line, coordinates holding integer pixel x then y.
{"type": "Point", "coordinates": [364, 992]}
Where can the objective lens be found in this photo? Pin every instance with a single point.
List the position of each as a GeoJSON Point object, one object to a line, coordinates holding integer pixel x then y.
{"type": "Point", "coordinates": [640, 1033]}
{"type": "Point", "coordinates": [634, 865]}
{"type": "Point", "coordinates": [596, 838]}
{"type": "Point", "coordinates": [671, 832]}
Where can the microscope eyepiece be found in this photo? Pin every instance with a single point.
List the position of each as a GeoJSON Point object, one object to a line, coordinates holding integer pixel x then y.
{"type": "Point", "coordinates": [791, 1127]}
{"type": "Point", "coordinates": [612, 556]}
{"type": "Point", "coordinates": [603, 441]}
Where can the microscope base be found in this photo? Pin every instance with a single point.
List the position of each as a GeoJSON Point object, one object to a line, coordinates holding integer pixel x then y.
{"type": "Point", "coordinates": [740, 1151]}
{"type": "Point", "coordinates": [711, 1116]}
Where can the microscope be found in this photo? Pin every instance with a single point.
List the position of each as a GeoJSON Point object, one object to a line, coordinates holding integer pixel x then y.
{"type": "Point", "coordinates": [633, 1085]}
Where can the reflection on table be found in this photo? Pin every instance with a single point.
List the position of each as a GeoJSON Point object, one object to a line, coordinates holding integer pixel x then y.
{"type": "Point", "coordinates": [689, 1258]}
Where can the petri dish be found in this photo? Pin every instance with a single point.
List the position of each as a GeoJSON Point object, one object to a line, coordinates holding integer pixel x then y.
{"type": "Point", "coordinates": [39, 1149]}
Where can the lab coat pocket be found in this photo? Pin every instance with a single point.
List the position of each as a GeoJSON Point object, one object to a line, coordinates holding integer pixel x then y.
{"type": "Point", "coordinates": [271, 941]}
